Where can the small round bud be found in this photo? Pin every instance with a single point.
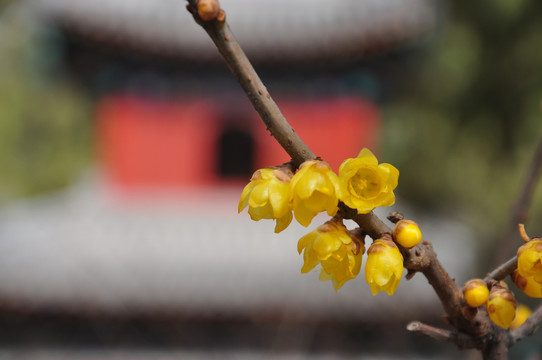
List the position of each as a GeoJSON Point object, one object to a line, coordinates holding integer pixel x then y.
{"type": "Point", "coordinates": [476, 292]}
{"type": "Point", "coordinates": [208, 9]}
{"type": "Point", "coordinates": [501, 306]}
{"type": "Point", "coordinates": [407, 233]}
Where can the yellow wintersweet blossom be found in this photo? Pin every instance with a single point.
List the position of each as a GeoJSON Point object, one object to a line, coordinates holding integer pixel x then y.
{"type": "Point", "coordinates": [527, 285]}
{"type": "Point", "coordinates": [384, 266]}
{"type": "Point", "coordinates": [476, 292]}
{"type": "Point", "coordinates": [522, 313]}
{"type": "Point", "coordinates": [365, 184]}
{"type": "Point", "coordinates": [530, 260]}
{"type": "Point", "coordinates": [501, 305]}
{"type": "Point", "coordinates": [313, 189]}
{"type": "Point", "coordinates": [336, 249]}
{"type": "Point", "coordinates": [267, 196]}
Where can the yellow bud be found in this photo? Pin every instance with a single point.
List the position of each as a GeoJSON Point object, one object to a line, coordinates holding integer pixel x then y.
{"type": "Point", "coordinates": [527, 285]}
{"type": "Point", "coordinates": [501, 305]}
{"type": "Point", "coordinates": [522, 314]}
{"type": "Point", "coordinates": [476, 292]}
{"type": "Point", "coordinates": [384, 266]}
{"type": "Point", "coordinates": [407, 233]}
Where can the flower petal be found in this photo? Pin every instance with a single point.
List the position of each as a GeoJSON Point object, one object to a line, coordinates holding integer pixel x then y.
{"type": "Point", "coordinates": [259, 195]}
{"type": "Point", "coordinates": [367, 156]}
{"type": "Point", "coordinates": [243, 202]}
{"type": "Point", "coordinates": [303, 215]}
{"type": "Point", "coordinates": [283, 222]}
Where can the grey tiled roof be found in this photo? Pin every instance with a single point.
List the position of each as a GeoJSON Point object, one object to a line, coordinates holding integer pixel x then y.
{"type": "Point", "coordinates": [188, 252]}
{"type": "Point", "coordinates": [272, 30]}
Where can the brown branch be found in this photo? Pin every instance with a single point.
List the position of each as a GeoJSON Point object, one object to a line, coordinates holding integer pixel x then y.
{"type": "Point", "coordinates": [528, 327]}
{"type": "Point", "coordinates": [240, 66]}
{"type": "Point", "coordinates": [421, 258]}
{"type": "Point", "coordinates": [463, 341]}
{"type": "Point", "coordinates": [503, 270]}
{"type": "Point", "coordinates": [520, 211]}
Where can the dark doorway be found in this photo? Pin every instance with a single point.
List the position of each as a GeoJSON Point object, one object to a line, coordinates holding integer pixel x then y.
{"type": "Point", "coordinates": [236, 152]}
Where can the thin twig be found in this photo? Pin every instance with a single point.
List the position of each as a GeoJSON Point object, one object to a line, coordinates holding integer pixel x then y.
{"type": "Point", "coordinates": [528, 327]}
{"type": "Point", "coordinates": [520, 211]}
{"type": "Point", "coordinates": [242, 69]}
{"type": "Point", "coordinates": [463, 341]}
{"type": "Point", "coordinates": [502, 271]}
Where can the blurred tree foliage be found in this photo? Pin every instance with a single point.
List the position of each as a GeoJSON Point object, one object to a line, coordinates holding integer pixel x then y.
{"type": "Point", "coordinates": [468, 115]}
{"type": "Point", "coordinates": [44, 119]}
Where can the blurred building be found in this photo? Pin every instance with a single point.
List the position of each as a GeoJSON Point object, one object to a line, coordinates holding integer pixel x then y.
{"type": "Point", "coordinates": [150, 249]}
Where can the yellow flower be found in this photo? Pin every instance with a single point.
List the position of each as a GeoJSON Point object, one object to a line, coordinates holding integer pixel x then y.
{"type": "Point", "coordinates": [407, 233]}
{"type": "Point", "coordinates": [522, 314]}
{"type": "Point", "coordinates": [530, 260]}
{"type": "Point", "coordinates": [384, 266]}
{"type": "Point", "coordinates": [365, 184]}
{"type": "Point", "coordinates": [527, 285]}
{"type": "Point", "coordinates": [267, 196]}
{"type": "Point", "coordinates": [501, 305]}
{"type": "Point", "coordinates": [313, 189]}
{"type": "Point", "coordinates": [336, 249]}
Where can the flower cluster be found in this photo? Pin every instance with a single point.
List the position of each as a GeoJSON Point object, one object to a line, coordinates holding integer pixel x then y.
{"type": "Point", "coordinates": [362, 184]}
{"type": "Point", "coordinates": [499, 302]}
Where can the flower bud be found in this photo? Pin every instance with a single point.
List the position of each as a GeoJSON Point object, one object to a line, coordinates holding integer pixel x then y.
{"type": "Point", "coordinates": [530, 260]}
{"type": "Point", "coordinates": [501, 305]}
{"type": "Point", "coordinates": [522, 314]}
{"type": "Point", "coordinates": [384, 266]}
{"type": "Point", "coordinates": [527, 285]}
{"type": "Point", "coordinates": [476, 292]}
{"type": "Point", "coordinates": [407, 233]}
{"type": "Point", "coordinates": [208, 9]}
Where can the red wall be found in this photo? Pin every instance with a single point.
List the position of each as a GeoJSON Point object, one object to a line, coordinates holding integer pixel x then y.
{"type": "Point", "coordinates": [165, 143]}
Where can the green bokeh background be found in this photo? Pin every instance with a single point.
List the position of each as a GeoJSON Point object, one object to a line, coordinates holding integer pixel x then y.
{"type": "Point", "coordinates": [467, 119]}
{"type": "Point", "coordinates": [45, 133]}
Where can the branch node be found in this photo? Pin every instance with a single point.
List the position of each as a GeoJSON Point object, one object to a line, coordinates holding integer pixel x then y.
{"type": "Point", "coordinates": [395, 217]}
{"type": "Point", "coordinates": [410, 274]}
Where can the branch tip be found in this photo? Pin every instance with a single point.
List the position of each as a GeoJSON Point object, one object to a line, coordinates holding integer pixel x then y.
{"type": "Point", "coordinates": [208, 10]}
